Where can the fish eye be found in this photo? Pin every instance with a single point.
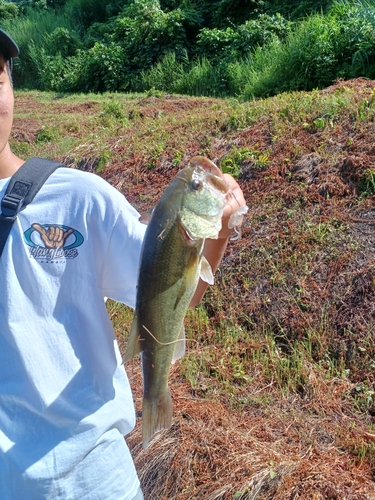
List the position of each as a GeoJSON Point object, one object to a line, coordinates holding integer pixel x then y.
{"type": "Point", "coordinates": [196, 184]}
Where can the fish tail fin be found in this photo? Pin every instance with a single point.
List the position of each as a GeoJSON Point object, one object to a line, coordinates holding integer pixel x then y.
{"type": "Point", "coordinates": [156, 415]}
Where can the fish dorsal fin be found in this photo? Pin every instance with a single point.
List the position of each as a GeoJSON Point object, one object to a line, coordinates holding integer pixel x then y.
{"type": "Point", "coordinates": [179, 350]}
{"type": "Point", "coordinates": [133, 346]}
{"type": "Point", "coordinates": [206, 271]}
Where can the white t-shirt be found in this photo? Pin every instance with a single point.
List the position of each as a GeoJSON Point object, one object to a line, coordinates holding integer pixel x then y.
{"type": "Point", "coordinates": [65, 400]}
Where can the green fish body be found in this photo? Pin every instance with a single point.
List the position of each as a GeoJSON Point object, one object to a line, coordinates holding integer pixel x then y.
{"type": "Point", "coordinates": [188, 212]}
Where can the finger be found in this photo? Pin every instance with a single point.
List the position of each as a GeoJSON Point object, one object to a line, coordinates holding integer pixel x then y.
{"type": "Point", "coordinates": [56, 232]}
{"type": "Point", "coordinates": [51, 233]}
{"type": "Point", "coordinates": [59, 234]}
{"type": "Point", "coordinates": [235, 198]}
{"type": "Point", "coordinates": [39, 229]}
{"type": "Point", "coordinates": [67, 233]}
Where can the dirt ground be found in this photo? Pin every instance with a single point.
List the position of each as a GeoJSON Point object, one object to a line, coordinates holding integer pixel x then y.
{"type": "Point", "coordinates": [311, 444]}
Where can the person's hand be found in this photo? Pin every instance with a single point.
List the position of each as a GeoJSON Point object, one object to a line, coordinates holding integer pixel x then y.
{"type": "Point", "coordinates": [54, 236]}
{"type": "Point", "coordinates": [235, 200]}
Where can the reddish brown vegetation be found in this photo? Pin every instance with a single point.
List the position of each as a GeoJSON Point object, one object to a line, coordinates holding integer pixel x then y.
{"type": "Point", "coordinates": [303, 270]}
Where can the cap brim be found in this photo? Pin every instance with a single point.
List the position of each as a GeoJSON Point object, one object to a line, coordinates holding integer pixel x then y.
{"type": "Point", "coordinates": [8, 46]}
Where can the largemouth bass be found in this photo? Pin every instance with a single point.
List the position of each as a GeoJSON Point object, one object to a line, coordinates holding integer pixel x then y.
{"type": "Point", "coordinates": [188, 212]}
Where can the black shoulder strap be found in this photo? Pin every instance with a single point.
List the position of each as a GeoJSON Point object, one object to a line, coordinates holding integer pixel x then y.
{"type": "Point", "coordinates": [23, 186]}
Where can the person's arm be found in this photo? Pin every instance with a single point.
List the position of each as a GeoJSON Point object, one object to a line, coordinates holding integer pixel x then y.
{"type": "Point", "coordinates": [214, 249]}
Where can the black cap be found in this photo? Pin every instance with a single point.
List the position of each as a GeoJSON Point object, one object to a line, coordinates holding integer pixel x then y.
{"type": "Point", "coordinates": [8, 46]}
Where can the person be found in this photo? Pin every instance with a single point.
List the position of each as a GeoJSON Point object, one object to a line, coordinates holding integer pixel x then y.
{"type": "Point", "coordinates": [65, 399]}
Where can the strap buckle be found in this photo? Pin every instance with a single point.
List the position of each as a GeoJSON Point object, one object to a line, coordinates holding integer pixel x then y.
{"type": "Point", "coordinates": [11, 204]}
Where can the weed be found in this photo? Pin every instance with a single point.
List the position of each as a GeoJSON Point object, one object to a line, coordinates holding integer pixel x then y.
{"type": "Point", "coordinates": [103, 160]}
{"type": "Point", "coordinates": [177, 158]}
{"type": "Point", "coordinates": [232, 162]}
{"type": "Point", "coordinates": [366, 185]}
{"type": "Point", "coordinates": [366, 106]}
{"type": "Point", "coordinates": [155, 155]}
{"type": "Point", "coordinates": [112, 113]}
{"type": "Point", "coordinates": [153, 92]}
{"type": "Point", "coordinates": [319, 123]}
{"type": "Point", "coordinates": [46, 133]}
{"type": "Point", "coordinates": [364, 396]}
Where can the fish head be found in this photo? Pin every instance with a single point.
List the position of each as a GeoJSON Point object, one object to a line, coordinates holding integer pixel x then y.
{"type": "Point", "coordinates": [203, 200]}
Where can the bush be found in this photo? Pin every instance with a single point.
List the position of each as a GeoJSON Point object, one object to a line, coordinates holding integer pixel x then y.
{"type": "Point", "coordinates": [86, 12]}
{"type": "Point", "coordinates": [236, 43]}
{"type": "Point", "coordinates": [317, 52]}
{"type": "Point", "coordinates": [8, 10]}
{"type": "Point", "coordinates": [103, 69]}
{"type": "Point", "coordinates": [355, 43]}
{"type": "Point", "coordinates": [61, 42]}
{"type": "Point", "coordinates": [147, 34]}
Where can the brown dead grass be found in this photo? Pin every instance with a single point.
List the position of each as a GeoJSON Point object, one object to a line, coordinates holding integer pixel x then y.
{"type": "Point", "coordinates": [304, 270]}
{"type": "Point", "coordinates": [292, 449]}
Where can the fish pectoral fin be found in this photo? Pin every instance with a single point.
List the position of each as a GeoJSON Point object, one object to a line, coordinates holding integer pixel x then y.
{"type": "Point", "coordinates": [206, 271]}
{"type": "Point", "coordinates": [146, 216]}
{"type": "Point", "coordinates": [133, 346]}
{"type": "Point", "coordinates": [179, 350]}
{"type": "Point", "coordinates": [156, 415]}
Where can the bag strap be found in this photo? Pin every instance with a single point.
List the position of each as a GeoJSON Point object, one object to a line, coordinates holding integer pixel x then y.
{"type": "Point", "coordinates": [23, 186]}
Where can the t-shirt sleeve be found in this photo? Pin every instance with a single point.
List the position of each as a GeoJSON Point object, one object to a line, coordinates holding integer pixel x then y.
{"type": "Point", "coordinates": [120, 272]}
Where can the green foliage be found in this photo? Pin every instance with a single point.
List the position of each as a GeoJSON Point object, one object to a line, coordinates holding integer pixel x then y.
{"type": "Point", "coordinates": [147, 34]}
{"type": "Point", "coordinates": [199, 78]}
{"type": "Point", "coordinates": [126, 47]}
{"type": "Point", "coordinates": [164, 75]}
{"type": "Point", "coordinates": [297, 9]}
{"type": "Point", "coordinates": [103, 160]}
{"type": "Point", "coordinates": [233, 161]}
{"type": "Point", "coordinates": [235, 43]}
{"type": "Point", "coordinates": [46, 134]}
{"type": "Point", "coordinates": [8, 10]}
{"type": "Point", "coordinates": [103, 69]}
{"type": "Point", "coordinates": [61, 41]}
{"type": "Point", "coordinates": [30, 33]}
{"type": "Point", "coordinates": [86, 12]}
{"type": "Point", "coordinates": [366, 184]}
{"type": "Point", "coordinates": [320, 49]}
{"type": "Point", "coordinates": [112, 114]}
{"type": "Point", "coordinates": [234, 11]}
{"type": "Point", "coordinates": [304, 61]}
{"type": "Point", "coordinates": [55, 4]}
{"type": "Point", "coordinates": [251, 51]}
{"type": "Point", "coordinates": [204, 78]}
{"type": "Point", "coordinates": [355, 44]}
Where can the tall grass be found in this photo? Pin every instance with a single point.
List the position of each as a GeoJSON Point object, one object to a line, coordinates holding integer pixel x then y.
{"type": "Point", "coordinates": [320, 50]}
{"type": "Point", "coordinates": [203, 79]}
{"type": "Point", "coordinates": [164, 75]}
{"type": "Point", "coordinates": [30, 31]}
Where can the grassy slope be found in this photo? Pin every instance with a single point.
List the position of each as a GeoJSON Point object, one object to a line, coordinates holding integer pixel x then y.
{"type": "Point", "coordinates": [275, 396]}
